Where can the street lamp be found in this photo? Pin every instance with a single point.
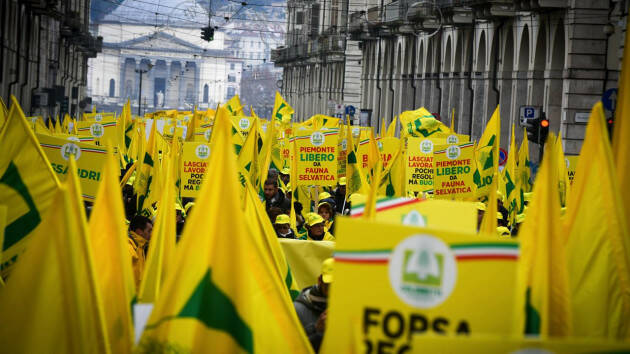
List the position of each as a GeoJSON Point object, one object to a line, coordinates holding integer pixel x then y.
{"type": "Point", "coordinates": [142, 71]}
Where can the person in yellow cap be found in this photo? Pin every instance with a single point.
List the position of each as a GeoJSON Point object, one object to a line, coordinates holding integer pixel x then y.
{"type": "Point", "coordinates": [312, 304]}
{"type": "Point", "coordinates": [283, 226]}
{"type": "Point", "coordinates": [316, 229]}
{"type": "Point", "coordinates": [503, 231]}
{"type": "Point", "coordinates": [285, 176]}
{"type": "Point", "coordinates": [340, 197]}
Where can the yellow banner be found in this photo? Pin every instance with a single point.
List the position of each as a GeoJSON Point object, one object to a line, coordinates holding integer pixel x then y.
{"type": "Point", "coordinates": [195, 157]}
{"type": "Point", "coordinates": [419, 167]}
{"type": "Point", "coordinates": [103, 131]}
{"type": "Point", "coordinates": [317, 157]}
{"type": "Point", "coordinates": [203, 134]}
{"type": "Point", "coordinates": [99, 117]}
{"type": "Point", "coordinates": [417, 282]}
{"type": "Point", "coordinates": [90, 161]}
{"type": "Point", "coordinates": [243, 124]}
{"type": "Point", "coordinates": [453, 138]}
{"type": "Point", "coordinates": [454, 169]}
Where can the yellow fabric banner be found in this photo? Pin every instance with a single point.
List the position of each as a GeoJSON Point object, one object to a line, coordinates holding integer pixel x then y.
{"type": "Point", "coordinates": [317, 157]}
{"type": "Point", "coordinates": [420, 282]}
{"type": "Point", "coordinates": [305, 258]}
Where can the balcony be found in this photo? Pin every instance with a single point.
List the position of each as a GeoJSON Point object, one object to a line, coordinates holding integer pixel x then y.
{"type": "Point", "coordinates": [357, 19]}
{"type": "Point", "coordinates": [395, 12]}
{"type": "Point", "coordinates": [374, 15]}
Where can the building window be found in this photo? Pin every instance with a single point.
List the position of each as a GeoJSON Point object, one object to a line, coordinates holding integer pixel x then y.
{"type": "Point", "coordinates": [189, 93]}
{"type": "Point", "coordinates": [231, 78]}
{"type": "Point", "coordinates": [299, 18]}
{"type": "Point", "coordinates": [231, 91]}
{"type": "Point", "coordinates": [232, 66]}
{"type": "Point", "coordinates": [112, 88]}
{"type": "Point", "coordinates": [205, 93]}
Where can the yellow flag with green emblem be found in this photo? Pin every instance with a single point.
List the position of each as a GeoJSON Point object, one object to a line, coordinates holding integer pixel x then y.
{"type": "Point", "coordinates": [145, 181]}
{"type": "Point", "coordinates": [223, 293]}
{"type": "Point", "coordinates": [282, 111]}
{"type": "Point", "coordinates": [510, 178]}
{"type": "Point", "coordinates": [27, 184]}
{"type": "Point", "coordinates": [489, 222]}
{"type": "Point", "coordinates": [355, 177]}
{"type": "Point", "coordinates": [421, 123]}
{"type": "Point", "coordinates": [542, 272]}
{"type": "Point", "coordinates": [112, 264]}
{"type": "Point", "coordinates": [51, 300]}
{"type": "Point", "coordinates": [487, 155]}
{"type": "Point", "coordinates": [524, 168]}
{"type": "Point", "coordinates": [598, 243]}
{"type": "Point", "coordinates": [233, 106]}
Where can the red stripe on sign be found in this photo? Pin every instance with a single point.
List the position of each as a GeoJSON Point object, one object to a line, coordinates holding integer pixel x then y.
{"type": "Point", "coordinates": [487, 257]}
{"type": "Point", "coordinates": [361, 261]}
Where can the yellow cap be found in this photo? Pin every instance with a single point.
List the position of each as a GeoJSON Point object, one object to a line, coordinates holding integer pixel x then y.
{"type": "Point", "coordinates": [480, 206]}
{"type": "Point", "coordinates": [324, 195]}
{"type": "Point", "coordinates": [314, 219]}
{"type": "Point", "coordinates": [327, 270]}
{"type": "Point", "coordinates": [342, 181]}
{"type": "Point", "coordinates": [499, 216]}
{"type": "Point", "coordinates": [285, 171]}
{"type": "Point", "coordinates": [282, 219]}
{"type": "Point", "coordinates": [188, 206]}
{"type": "Point", "coordinates": [323, 203]}
{"type": "Point", "coordinates": [503, 231]}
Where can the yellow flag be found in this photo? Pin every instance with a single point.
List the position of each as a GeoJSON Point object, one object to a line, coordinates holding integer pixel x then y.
{"type": "Point", "coordinates": [487, 155]}
{"type": "Point", "coordinates": [621, 133]}
{"type": "Point", "coordinates": [355, 177]}
{"type": "Point", "coordinates": [260, 226]}
{"type": "Point", "coordinates": [265, 156]}
{"type": "Point", "coordinates": [144, 177]}
{"type": "Point", "coordinates": [162, 246]}
{"type": "Point", "coordinates": [598, 244]}
{"type": "Point", "coordinates": [542, 268]}
{"type": "Point", "coordinates": [370, 203]}
{"type": "Point", "coordinates": [282, 111]}
{"type": "Point", "coordinates": [248, 156]}
{"type": "Point", "coordinates": [233, 105]}
{"type": "Point", "coordinates": [4, 113]}
{"type": "Point", "coordinates": [510, 179]}
{"type": "Point", "coordinates": [391, 129]}
{"type": "Point", "coordinates": [112, 263]}
{"type": "Point", "coordinates": [453, 120]}
{"type": "Point", "coordinates": [564, 186]}
{"type": "Point", "coordinates": [489, 222]}
{"type": "Point", "coordinates": [55, 277]}
{"type": "Point", "coordinates": [524, 170]}
{"type": "Point", "coordinates": [223, 292]}
{"type": "Point", "coordinates": [27, 184]}
{"type": "Point", "coordinates": [421, 123]}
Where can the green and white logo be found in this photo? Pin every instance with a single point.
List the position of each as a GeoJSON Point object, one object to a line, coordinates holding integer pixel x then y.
{"type": "Point", "coordinates": [452, 139]}
{"type": "Point", "coordinates": [453, 152]}
{"type": "Point", "coordinates": [422, 271]}
{"type": "Point", "coordinates": [344, 144]}
{"type": "Point", "coordinates": [317, 139]}
{"type": "Point", "coordinates": [69, 149]}
{"type": "Point", "coordinates": [202, 151]}
{"type": "Point", "coordinates": [98, 117]}
{"type": "Point", "coordinates": [207, 134]}
{"type": "Point", "coordinates": [97, 130]}
{"type": "Point", "coordinates": [243, 123]}
{"type": "Point", "coordinates": [414, 218]}
{"type": "Point", "coordinates": [426, 146]}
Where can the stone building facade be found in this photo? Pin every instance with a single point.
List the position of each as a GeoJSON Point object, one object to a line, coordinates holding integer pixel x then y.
{"type": "Point", "coordinates": [472, 55]}
{"type": "Point", "coordinates": [321, 66]}
{"type": "Point", "coordinates": [45, 45]}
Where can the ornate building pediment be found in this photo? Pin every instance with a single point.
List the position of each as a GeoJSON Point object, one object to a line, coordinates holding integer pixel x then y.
{"type": "Point", "coordinates": [158, 41]}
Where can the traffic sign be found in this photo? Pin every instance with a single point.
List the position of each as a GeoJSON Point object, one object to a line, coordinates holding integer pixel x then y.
{"type": "Point", "coordinates": [502, 156]}
{"type": "Point", "coordinates": [609, 99]}
{"type": "Point", "coordinates": [529, 112]}
{"type": "Point", "coordinates": [350, 110]}
{"type": "Point", "coordinates": [339, 109]}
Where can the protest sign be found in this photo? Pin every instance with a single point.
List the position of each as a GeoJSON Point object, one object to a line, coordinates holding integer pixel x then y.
{"type": "Point", "coordinates": [104, 132]}
{"type": "Point", "coordinates": [454, 169]}
{"type": "Point", "coordinates": [571, 162]}
{"type": "Point", "coordinates": [90, 160]}
{"type": "Point", "coordinates": [243, 124]}
{"type": "Point", "coordinates": [317, 157]}
{"type": "Point", "coordinates": [452, 138]}
{"type": "Point", "coordinates": [195, 158]}
{"type": "Point", "coordinates": [203, 134]}
{"type": "Point", "coordinates": [419, 163]}
{"type": "Point", "coordinates": [417, 282]}
{"type": "Point", "coordinates": [431, 213]}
